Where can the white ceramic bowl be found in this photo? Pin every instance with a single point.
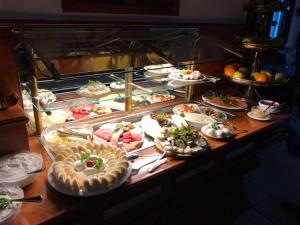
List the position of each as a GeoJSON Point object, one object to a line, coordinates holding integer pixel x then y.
{"type": "Point", "coordinates": [15, 167]}
{"type": "Point", "coordinates": [13, 192]}
{"type": "Point", "coordinates": [264, 104]}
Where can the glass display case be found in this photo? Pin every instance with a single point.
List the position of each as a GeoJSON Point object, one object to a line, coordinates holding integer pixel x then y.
{"type": "Point", "coordinates": [77, 73]}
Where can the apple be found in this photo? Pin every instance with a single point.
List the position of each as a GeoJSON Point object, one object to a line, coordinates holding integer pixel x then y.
{"type": "Point", "coordinates": [253, 75]}
{"type": "Point", "coordinates": [244, 70]}
{"type": "Point", "coordinates": [238, 75]}
{"type": "Point", "coordinates": [279, 77]}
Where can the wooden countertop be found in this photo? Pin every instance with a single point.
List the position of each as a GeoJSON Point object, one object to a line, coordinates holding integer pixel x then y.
{"type": "Point", "coordinates": [55, 204]}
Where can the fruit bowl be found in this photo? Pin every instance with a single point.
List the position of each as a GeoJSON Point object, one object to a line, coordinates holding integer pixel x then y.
{"type": "Point", "coordinates": [263, 78]}
{"type": "Point", "coordinates": [254, 83]}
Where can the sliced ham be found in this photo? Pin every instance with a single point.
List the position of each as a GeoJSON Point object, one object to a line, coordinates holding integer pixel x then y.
{"type": "Point", "coordinates": [104, 134]}
{"type": "Point", "coordinates": [136, 137]}
{"type": "Point", "coordinates": [127, 135]}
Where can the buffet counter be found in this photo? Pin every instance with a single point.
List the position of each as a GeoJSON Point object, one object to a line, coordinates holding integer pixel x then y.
{"type": "Point", "coordinates": [154, 188]}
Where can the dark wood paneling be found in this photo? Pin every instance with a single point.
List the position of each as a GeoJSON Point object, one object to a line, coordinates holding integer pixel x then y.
{"type": "Point", "coordinates": [12, 120]}
{"type": "Point", "coordinates": [122, 7]}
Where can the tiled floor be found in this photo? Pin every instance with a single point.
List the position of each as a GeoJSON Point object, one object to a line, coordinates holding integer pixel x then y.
{"type": "Point", "coordinates": [277, 179]}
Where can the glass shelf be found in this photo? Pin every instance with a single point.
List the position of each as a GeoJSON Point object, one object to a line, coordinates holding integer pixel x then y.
{"type": "Point", "coordinates": [58, 62]}
{"type": "Point", "coordinates": [64, 94]}
{"type": "Point", "coordinates": [142, 87]}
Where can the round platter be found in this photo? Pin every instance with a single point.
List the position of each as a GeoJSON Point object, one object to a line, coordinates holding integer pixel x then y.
{"type": "Point", "coordinates": [257, 118]}
{"type": "Point", "coordinates": [192, 107]}
{"type": "Point", "coordinates": [82, 194]}
{"type": "Point", "coordinates": [93, 96]}
{"type": "Point", "coordinates": [198, 120]}
{"type": "Point", "coordinates": [188, 81]}
{"type": "Point", "coordinates": [253, 83]}
{"type": "Point", "coordinates": [158, 144]}
{"type": "Point", "coordinates": [158, 70]}
{"type": "Point", "coordinates": [114, 89]}
{"type": "Point", "coordinates": [159, 97]}
{"type": "Point", "coordinates": [207, 100]}
{"type": "Point", "coordinates": [111, 127]}
{"type": "Point", "coordinates": [211, 136]}
{"type": "Point", "coordinates": [214, 113]}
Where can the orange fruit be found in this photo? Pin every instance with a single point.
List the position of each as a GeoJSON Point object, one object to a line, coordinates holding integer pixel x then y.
{"type": "Point", "coordinates": [261, 77]}
{"type": "Point", "coordinates": [229, 70]}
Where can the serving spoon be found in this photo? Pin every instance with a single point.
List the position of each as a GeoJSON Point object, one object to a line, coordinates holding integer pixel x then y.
{"type": "Point", "coordinates": [36, 171]}
{"type": "Point", "coordinates": [5, 202]}
{"type": "Point", "coordinates": [269, 106]}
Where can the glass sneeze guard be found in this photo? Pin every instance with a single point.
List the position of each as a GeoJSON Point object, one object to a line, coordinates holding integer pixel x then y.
{"type": "Point", "coordinates": [59, 66]}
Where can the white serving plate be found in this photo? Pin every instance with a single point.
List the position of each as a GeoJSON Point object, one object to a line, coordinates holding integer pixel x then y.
{"type": "Point", "coordinates": [176, 111]}
{"type": "Point", "coordinates": [205, 99]}
{"type": "Point", "coordinates": [194, 119]}
{"type": "Point", "coordinates": [152, 101]}
{"type": "Point", "coordinates": [158, 70]}
{"type": "Point", "coordinates": [216, 137]}
{"type": "Point", "coordinates": [150, 126]}
{"type": "Point", "coordinates": [16, 206]}
{"type": "Point", "coordinates": [114, 89]}
{"type": "Point", "coordinates": [183, 81]}
{"type": "Point", "coordinates": [120, 144]}
{"type": "Point", "coordinates": [22, 179]}
{"type": "Point", "coordinates": [52, 148]}
{"type": "Point", "coordinates": [93, 96]}
{"type": "Point", "coordinates": [225, 117]}
{"type": "Point", "coordinates": [86, 194]}
{"type": "Point", "coordinates": [57, 116]}
{"type": "Point", "coordinates": [257, 118]}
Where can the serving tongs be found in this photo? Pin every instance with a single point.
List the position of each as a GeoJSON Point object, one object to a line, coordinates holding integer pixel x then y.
{"type": "Point", "coordinates": [65, 132]}
{"type": "Point", "coordinates": [160, 160]}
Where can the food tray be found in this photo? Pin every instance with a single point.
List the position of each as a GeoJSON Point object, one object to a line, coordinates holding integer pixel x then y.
{"type": "Point", "coordinates": [253, 83]}
{"type": "Point", "coordinates": [87, 194]}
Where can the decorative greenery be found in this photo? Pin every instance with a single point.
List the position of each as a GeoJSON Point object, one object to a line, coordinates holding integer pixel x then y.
{"type": "Point", "coordinates": [185, 131]}
{"type": "Point", "coordinates": [215, 126]}
{"type": "Point", "coordinates": [4, 203]}
{"type": "Point", "coordinates": [98, 163]}
{"type": "Point", "coordinates": [85, 156]}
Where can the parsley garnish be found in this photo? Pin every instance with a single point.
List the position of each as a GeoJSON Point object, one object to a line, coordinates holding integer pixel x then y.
{"type": "Point", "coordinates": [182, 114]}
{"type": "Point", "coordinates": [185, 131]}
{"type": "Point", "coordinates": [176, 133]}
{"type": "Point", "coordinates": [4, 203]}
{"type": "Point", "coordinates": [215, 126]}
{"type": "Point", "coordinates": [98, 163]}
{"type": "Point", "coordinates": [85, 156]}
